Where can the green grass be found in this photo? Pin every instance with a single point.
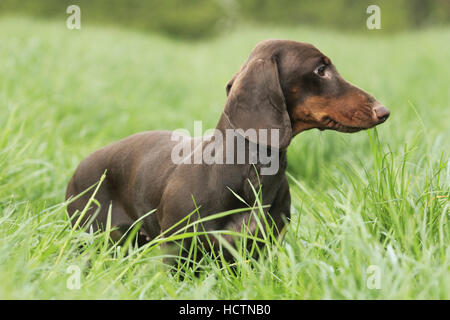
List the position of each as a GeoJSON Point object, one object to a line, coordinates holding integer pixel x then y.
{"type": "Point", "coordinates": [378, 198]}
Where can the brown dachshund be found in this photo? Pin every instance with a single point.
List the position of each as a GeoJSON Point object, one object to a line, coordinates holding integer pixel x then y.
{"type": "Point", "coordinates": [284, 85]}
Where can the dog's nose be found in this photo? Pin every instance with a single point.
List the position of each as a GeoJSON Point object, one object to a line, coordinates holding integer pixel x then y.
{"type": "Point", "coordinates": [382, 113]}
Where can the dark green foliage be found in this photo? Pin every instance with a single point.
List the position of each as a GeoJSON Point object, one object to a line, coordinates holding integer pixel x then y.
{"type": "Point", "coordinates": [196, 19]}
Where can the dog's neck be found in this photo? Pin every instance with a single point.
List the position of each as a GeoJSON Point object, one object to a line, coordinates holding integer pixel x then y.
{"type": "Point", "coordinates": [224, 124]}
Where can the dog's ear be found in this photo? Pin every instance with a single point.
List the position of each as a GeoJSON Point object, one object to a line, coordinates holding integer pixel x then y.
{"type": "Point", "coordinates": [256, 101]}
{"type": "Point", "coordinates": [230, 83]}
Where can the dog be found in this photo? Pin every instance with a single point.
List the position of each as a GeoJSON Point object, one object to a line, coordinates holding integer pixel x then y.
{"type": "Point", "coordinates": [284, 85]}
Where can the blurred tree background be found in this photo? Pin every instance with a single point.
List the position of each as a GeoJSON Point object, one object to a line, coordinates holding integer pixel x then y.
{"type": "Point", "coordinates": [197, 19]}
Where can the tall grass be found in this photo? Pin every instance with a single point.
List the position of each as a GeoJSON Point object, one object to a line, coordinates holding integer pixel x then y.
{"type": "Point", "coordinates": [375, 200]}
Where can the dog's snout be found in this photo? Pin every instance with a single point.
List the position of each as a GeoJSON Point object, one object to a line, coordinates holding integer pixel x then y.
{"type": "Point", "coordinates": [382, 113]}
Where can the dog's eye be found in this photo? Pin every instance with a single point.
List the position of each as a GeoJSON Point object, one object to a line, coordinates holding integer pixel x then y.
{"type": "Point", "coordinates": [321, 70]}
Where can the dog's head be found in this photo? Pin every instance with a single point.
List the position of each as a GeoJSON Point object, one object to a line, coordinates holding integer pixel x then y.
{"type": "Point", "coordinates": [293, 87]}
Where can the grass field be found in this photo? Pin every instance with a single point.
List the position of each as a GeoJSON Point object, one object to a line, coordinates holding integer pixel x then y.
{"type": "Point", "coordinates": [374, 203]}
